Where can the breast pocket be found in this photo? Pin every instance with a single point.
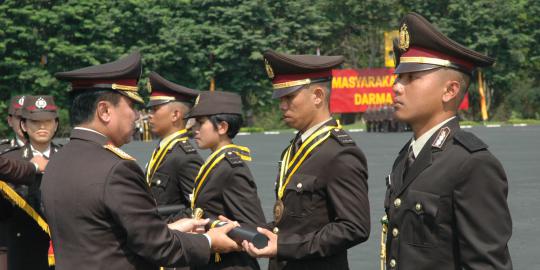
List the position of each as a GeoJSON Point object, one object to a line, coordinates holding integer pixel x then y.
{"type": "Point", "coordinates": [159, 183]}
{"type": "Point", "coordinates": [421, 219]}
{"type": "Point", "coordinates": [299, 195]}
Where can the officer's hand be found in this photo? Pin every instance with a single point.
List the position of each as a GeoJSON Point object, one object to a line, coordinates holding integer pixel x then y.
{"type": "Point", "coordinates": [41, 163]}
{"type": "Point", "coordinates": [187, 224]}
{"type": "Point", "coordinates": [268, 251]}
{"type": "Point", "coordinates": [221, 243]}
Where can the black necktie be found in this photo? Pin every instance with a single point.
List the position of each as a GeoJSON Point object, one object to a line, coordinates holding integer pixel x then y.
{"type": "Point", "coordinates": [296, 144]}
{"type": "Point", "coordinates": [410, 160]}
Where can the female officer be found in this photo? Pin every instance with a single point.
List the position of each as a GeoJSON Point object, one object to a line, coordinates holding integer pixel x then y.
{"type": "Point", "coordinates": [224, 184]}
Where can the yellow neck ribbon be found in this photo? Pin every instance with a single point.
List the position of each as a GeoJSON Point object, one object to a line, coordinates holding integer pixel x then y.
{"type": "Point", "coordinates": [242, 151]}
{"type": "Point", "coordinates": [159, 154]}
{"type": "Point", "coordinates": [289, 166]}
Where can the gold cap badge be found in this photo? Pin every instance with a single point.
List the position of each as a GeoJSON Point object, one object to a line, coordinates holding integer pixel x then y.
{"type": "Point", "coordinates": [269, 69]}
{"type": "Point", "coordinates": [404, 38]}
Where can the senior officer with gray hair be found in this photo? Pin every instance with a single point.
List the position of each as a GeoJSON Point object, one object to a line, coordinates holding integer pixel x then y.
{"type": "Point", "coordinates": [98, 205]}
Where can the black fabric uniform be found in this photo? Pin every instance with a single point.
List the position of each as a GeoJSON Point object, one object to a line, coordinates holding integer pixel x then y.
{"type": "Point", "coordinates": [102, 215]}
{"type": "Point", "coordinates": [326, 207]}
{"type": "Point", "coordinates": [172, 183]}
{"type": "Point", "coordinates": [230, 190]}
{"type": "Point", "coordinates": [450, 210]}
{"type": "Point", "coordinates": [27, 243]}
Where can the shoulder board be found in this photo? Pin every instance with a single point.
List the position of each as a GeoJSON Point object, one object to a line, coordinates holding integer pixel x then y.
{"type": "Point", "coordinates": [469, 141]}
{"type": "Point", "coordinates": [342, 136]}
{"type": "Point", "coordinates": [233, 158]}
{"type": "Point", "coordinates": [11, 148]}
{"type": "Point", "coordinates": [187, 146]}
{"type": "Point", "coordinates": [119, 152]}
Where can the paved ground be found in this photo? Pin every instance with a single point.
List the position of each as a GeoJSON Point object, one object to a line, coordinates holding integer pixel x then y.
{"type": "Point", "coordinates": [518, 148]}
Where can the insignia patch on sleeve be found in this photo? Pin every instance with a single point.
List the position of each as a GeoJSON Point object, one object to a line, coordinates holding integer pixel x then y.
{"type": "Point", "coordinates": [119, 152]}
{"type": "Point", "coordinates": [342, 137]}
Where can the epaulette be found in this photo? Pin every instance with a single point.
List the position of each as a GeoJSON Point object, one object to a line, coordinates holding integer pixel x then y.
{"type": "Point", "coordinates": [187, 146]}
{"type": "Point", "coordinates": [469, 141]}
{"type": "Point", "coordinates": [233, 158]}
{"type": "Point", "coordinates": [342, 136]}
{"type": "Point", "coordinates": [119, 152]}
{"type": "Point", "coordinates": [9, 149]}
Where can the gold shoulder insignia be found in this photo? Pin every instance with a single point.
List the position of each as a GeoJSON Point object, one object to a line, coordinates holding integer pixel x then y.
{"type": "Point", "coordinates": [119, 152]}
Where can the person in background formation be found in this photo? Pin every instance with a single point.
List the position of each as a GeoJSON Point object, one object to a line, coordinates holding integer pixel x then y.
{"type": "Point", "coordinates": [175, 162]}
{"type": "Point", "coordinates": [28, 243]}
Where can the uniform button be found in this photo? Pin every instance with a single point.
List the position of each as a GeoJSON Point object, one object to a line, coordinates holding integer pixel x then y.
{"type": "Point", "coordinates": [397, 202]}
{"type": "Point", "coordinates": [418, 207]}
{"type": "Point", "coordinates": [395, 232]}
{"type": "Point", "coordinates": [299, 186]}
{"type": "Point", "coordinates": [393, 263]}
{"type": "Point", "coordinates": [158, 182]}
{"type": "Point", "coordinates": [18, 234]}
{"type": "Point", "coordinates": [275, 230]}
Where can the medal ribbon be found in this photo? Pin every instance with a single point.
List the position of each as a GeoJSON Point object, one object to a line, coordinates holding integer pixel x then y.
{"type": "Point", "coordinates": [289, 167]}
{"type": "Point", "coordinates": [212, 161]}
{"type": "Point", "coordinates": [158, 156]}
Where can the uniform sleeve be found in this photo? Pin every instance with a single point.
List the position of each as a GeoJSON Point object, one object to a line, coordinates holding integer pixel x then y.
{"type": "Point", "coordinates": [187, 173]}
{"type": "Point", "coordinates": [241, 199]}
{"type": "Point", "coordinates": [348, 194]}
{"type": "Point", "coordinates": [129, 202]}
{"type": "Point", "coordinates": [16, 171]}
{"type": "Point", "coordinates": [483, 220]}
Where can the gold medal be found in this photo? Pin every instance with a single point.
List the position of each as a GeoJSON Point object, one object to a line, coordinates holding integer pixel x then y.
{"type": "Point", "coordinates": [278, 210]}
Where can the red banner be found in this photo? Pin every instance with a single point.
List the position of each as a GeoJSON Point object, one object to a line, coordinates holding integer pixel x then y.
{"type": "Point", "coordinates": [354, 90]}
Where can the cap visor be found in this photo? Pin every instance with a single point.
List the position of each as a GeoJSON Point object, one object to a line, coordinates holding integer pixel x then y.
{"type": "Point", "coordinates": [279, 93]}
{"type": "Point", "coordinates": [40, 116]}
{"type": "Point", "coordinates": [153, 103]}
{"type": "Point", "coordinates": [414, 67]}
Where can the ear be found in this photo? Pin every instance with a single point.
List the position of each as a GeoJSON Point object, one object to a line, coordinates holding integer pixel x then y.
{"type": "Point", "coordinates": [104, 111]}
{"type": "Point", "coordinates": [223, 127]}
{"type": "Point", "coordinates": [319, 96]}
{"type": "Point", "coordinates": [176, 114]}
{"type": "Point", "coordinates": [451, 90]}
{"type": "Point", "coordinates": [23, 126]}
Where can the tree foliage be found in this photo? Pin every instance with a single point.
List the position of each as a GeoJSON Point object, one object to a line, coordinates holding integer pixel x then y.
{"type": "Point", "coordinates": [192, 41]}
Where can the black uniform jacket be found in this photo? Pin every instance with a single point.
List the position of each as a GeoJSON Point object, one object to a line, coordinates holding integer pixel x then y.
{"type": "Point", "coordinates": [27, 243]}
{"type": "Point", "coordinates": [450, 210]}
{"type": "Point", "coordinates": [102, 215]}
{"type": "Point", "coordinates": [230, 190]}
{"type": "Point", "coordinates": [172, 183]}
{"type": "Point", "coordinates": [326, 207]}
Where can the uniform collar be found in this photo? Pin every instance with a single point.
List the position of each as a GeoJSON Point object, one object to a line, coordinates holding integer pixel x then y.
{"type": "Point", "coordinates": [18, 141]}
{"type": "Point", "coordinates": [314, 128]}
{"type": "Point", "coordinates": [46, 153]}
{"type": "Point", "coordinates": [88, 135]}
{"type": "Point", "coordinates": [418, 144]}
{"type": "Point", "coordinates": [172, 136]}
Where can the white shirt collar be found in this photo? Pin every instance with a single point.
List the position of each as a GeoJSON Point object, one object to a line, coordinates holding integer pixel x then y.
{"type": "Point", "coordinates": [91, 130]}
{"type": "Point", "coordinates": [19, 141]}
{"type": "Point", "coordinates": [312, 129]}
{"type": "Point", "coordinates": [418, 144]}
{"type": "Point", "coordinates": [46, 153]}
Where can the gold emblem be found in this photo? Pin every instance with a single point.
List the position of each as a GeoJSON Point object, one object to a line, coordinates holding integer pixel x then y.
{"type": "Point", "coordinates": [278, 210]}
{"type": "Point", "coordinates": [404, 38]}
{"type": "Point", "coordinates": [149, 86]}
{"type": "Point", "coordinates": [197, 100]}
{"type": "Point", "coordinates": [269, 69]}
{"type": "Point", "coordinates": [198, 213]}
{"type": "Point", "coordinates": [41, 103]}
